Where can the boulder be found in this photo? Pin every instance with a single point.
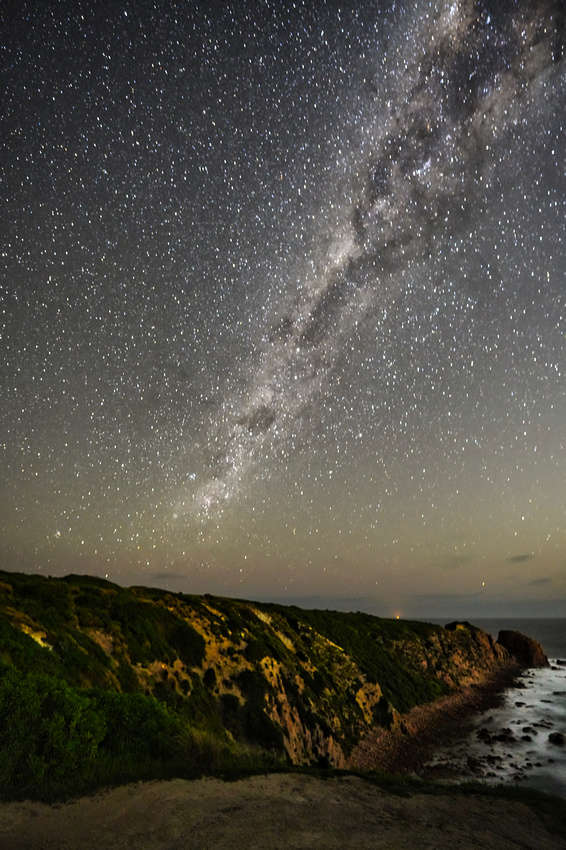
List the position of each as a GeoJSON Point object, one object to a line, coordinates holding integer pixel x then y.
{"type": "Point", "coordinates": [557, 738]}
{"type": "Point", "coordinates": [527, 651]}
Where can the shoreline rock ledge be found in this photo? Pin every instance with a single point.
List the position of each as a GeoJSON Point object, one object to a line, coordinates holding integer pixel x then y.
{"type": "Point", "coordinates": [527, 651]}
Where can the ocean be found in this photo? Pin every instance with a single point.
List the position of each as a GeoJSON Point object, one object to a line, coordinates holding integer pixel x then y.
{"type": "Point", "coordinates": [516, 742]}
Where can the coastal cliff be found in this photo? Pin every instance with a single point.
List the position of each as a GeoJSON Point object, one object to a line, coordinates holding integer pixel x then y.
{"type": "Point", "coordinates": [302, 686]}
{"type": "Point", "coordinates": [527, 651]}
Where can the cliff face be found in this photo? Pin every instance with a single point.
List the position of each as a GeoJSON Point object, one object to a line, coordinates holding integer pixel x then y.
{"type": "Point", "coordinates": [527, 651]}
{"type": "Point", "coordinates": [305, 684]}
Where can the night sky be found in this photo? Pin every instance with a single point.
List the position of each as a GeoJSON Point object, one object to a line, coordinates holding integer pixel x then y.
{"type": "Point", "coordinates": [283, 300]}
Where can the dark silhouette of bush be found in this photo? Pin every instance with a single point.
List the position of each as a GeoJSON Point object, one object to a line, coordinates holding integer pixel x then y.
{"type": "Point", "coordinates": [137, 724]}
{"type": "Point", "coordinates": [190, 645]}
{"type": "Point", "coordinates": [56, 740]}
{"type": "Point", "coordinates": [382, 713]}
{"type": "Point", "coordinates": [45, 601]}
{"type": "Point", "coordinates": [209, 677]}
{"type": "Point", "coordinates": [153, 633]}
{"type": "Point", "coordinates": [256, 650]}
{"type": "Point", "coordinates": [128, 680]}
{"type": "Point", "coordinates": [253, 685]}
{"type": "Point", "coordinates": [49, 732]}
{"type": "Point", "coordinates": [259, 729]}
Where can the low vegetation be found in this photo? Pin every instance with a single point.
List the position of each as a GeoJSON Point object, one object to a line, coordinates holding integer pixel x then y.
{"type": "Point", "coordinates": [100, 684]}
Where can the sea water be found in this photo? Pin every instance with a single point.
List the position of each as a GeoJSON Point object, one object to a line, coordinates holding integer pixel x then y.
{"type": "Point", "coordinates": [512, 743]}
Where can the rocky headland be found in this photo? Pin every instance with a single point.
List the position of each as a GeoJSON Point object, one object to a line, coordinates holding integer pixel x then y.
{"type": "Point", "coordinates": [185, 685]}
{"type": "Point", "coordinates": [527, 651]}
{"type": "Point", "coordinates": [406, 746]}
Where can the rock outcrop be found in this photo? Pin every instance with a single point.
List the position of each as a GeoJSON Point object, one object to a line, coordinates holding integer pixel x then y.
{"type": "Point", "coordinates": [527, 651]}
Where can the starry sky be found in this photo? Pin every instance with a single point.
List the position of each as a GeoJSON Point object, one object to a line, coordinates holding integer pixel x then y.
{"type": "Point", "coordinates": [283, 300]}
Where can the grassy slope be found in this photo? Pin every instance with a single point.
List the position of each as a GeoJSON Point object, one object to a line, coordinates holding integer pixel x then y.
{"type": "Point", "coordinates": [99, 683]}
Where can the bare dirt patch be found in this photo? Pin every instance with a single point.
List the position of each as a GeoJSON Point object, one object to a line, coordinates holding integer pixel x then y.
{"type": "Point", "coordinates": [274, 811]}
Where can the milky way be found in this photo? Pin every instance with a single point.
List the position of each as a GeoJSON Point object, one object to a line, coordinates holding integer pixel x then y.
{"type": "Point", "coordinates": [424, 178]}
{"type": "Point", "coordinates": [283, 299]}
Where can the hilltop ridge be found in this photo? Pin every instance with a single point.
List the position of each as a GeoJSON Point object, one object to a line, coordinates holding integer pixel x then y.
{"type": "Point", "coordinates": [114, 668]}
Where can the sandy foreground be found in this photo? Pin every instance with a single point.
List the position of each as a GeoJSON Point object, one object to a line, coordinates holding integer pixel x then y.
{"type": "Point", "coordinates": [273, 811]}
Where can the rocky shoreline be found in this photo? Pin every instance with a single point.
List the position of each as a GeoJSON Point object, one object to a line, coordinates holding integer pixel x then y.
{"type": "Point", "coordinates": [405, 749]}
{"type": "Point", "coordinates": [522, 741]}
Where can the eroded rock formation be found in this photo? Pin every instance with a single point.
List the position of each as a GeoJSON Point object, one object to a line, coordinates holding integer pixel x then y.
{"type": "Point", "coordinates": [527, 651]}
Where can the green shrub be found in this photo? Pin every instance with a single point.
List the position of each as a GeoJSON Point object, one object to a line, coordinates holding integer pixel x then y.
{"type": "Point", "coordinates": [153, 633]}
{"type": "Point", "coordinates": [256, 650]}
{"type": "Point", "coordinates": [136, 723]}
{"type": "Point", "coordinates": [129, 682]}
{"type": "Point", "coordinates": [259, 729]}
{"type": "Point", "coordinates": [91, 605]}
{"type": "Point", "coordinates": [84, 663]}
{"type": "Point", "coordinates": [45, 600]}
{"type": "Point", "coordinates": [202, 751]}
{"type": "Point", "coordinates": [57, 740]}
{"type": "Point", "coordinates": [209, 677]}
{"type": "Point", "coordinates": [22, 651]}
{"type": "Point", "coordinates": [48, 732]}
